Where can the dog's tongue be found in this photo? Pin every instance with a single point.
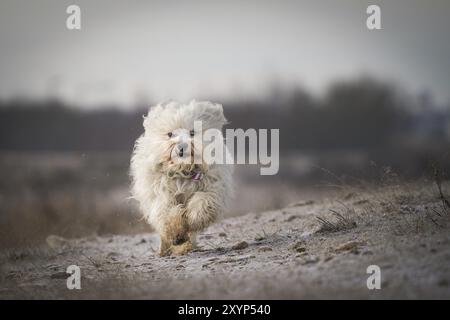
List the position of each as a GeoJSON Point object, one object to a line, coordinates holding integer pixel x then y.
{"type": "Point", "coordinates": [197, 176]}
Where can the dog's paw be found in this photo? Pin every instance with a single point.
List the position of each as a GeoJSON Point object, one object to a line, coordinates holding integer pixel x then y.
{"type": "Point", "coordinates": [180, 239]}
{"type": "Point", "coordinates": [165, 252]}
{"type": "Point", "coordinates": [182, 249]}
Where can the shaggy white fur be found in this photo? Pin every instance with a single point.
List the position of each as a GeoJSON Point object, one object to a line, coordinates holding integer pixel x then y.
{"type": "Point", "coordinates": [177, 197]}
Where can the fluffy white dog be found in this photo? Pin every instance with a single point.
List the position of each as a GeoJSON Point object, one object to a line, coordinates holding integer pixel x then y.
{"type": "Point", "coordinates": [179, 196]}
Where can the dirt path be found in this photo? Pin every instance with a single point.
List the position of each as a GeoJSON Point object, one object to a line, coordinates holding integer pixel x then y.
{"type": "Point", "coordinates": [287, 253]}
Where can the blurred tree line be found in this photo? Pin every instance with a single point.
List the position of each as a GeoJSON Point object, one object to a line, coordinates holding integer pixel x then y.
{"type": "Point", "coordinates": [359, 114]}
{"type": "Point", "coordinates": [351, 115]}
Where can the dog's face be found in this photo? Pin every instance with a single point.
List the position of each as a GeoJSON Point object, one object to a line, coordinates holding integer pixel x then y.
{"type": "Point", "coordinates": [173, 142]}
{"type": "Point", "coordinates": [182, 147]}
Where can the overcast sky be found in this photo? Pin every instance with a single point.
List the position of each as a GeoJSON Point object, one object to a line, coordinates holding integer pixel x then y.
{"type": "Point", "coordinates": [134, 51]}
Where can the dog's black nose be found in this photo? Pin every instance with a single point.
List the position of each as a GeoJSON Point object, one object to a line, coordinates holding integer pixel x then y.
{"type": "Point", "coordinates": [182, 147]}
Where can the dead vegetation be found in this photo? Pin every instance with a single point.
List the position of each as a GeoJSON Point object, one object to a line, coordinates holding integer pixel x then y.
{"type": "Point", "coordinates": [404, 207]}
{"type": "Point", "coordinates": [262, 255]}
{"type": "Point", "coordinates": [320, 245]}
{"type": "Point", "coordinates": [338, 222]}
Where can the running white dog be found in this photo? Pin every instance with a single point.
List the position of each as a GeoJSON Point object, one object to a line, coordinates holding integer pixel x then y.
{"type": "Point", "coordinates": [178, 195]}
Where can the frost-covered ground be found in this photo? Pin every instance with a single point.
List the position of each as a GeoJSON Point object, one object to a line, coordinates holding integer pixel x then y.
{"type": "Point", "coordinates": [311, 249]}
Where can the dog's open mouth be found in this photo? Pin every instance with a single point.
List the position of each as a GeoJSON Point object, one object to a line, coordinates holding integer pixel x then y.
{"type": "Point", "coordinates": [196, 174]}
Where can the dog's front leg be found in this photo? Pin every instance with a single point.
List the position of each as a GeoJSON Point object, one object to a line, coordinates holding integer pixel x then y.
{"type": "Point", "coordinates": [165, 246]}
{"type": "Point", "coordinates": [181, 237]}
{"type": "Point", "coordinates": [201, 210]}
{"type": "Point", "coordinates": [175, 235]}
{"type": "Point", "coordinates": [176, 228]}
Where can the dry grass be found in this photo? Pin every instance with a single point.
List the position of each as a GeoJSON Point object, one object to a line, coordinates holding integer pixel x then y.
{"type": "Point", "coordinates": [339, 221]}
{"type": "Point", "coordinates": [67, 195]}
{"type": "Point", "coordinates": [79, 195]}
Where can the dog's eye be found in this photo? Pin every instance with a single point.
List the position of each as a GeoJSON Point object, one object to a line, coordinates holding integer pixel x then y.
{"type": "Point", "coordinates": [192, 133]}
{"type": "Point", "coordinates": [170, 134]}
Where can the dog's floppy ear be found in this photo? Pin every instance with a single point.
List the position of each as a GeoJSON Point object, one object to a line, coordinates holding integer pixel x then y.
{"type": "Point", "coordinates": [218, 113]}
{"type": "Point", "coordinates": [212, 114]}
{"type": "Point", "coordinates": [152, 115]}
